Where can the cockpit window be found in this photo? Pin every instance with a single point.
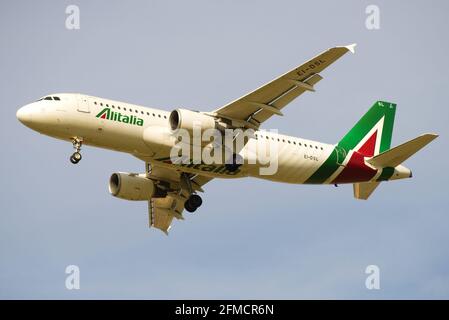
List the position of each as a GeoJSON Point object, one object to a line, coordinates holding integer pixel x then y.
{"type": "Point", "coordinates": [50, 98]}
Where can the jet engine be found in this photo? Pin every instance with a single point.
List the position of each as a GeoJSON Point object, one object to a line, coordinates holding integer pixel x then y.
{"type": "Point", "coordinates": [131, 186]}
{"type": "Point", "coordinates": [187, 119]}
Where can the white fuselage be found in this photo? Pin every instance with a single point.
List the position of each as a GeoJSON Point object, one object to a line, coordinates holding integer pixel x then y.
{"type": "Point", "coordinates": [145, 133]}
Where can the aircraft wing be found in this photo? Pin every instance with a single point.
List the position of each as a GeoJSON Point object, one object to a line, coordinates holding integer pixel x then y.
{"type": "Point", "coordinates": [258, 106]}
{"type": "Point", "coordinates": [161, 211]}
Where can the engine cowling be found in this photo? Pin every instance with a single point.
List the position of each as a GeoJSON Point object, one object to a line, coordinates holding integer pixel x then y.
{"type": "Point", "coordinates": [187, 119]}
{"type": "Point", "coordinates": [159, 139]}
{"type": "Point", "coordinates": [130, 186]}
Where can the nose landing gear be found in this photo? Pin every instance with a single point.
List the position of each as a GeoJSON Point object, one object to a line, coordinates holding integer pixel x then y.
{"type": "Point", "coordinates": [76, 156]}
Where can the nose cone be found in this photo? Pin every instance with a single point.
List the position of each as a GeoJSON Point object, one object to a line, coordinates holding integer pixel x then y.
{"type": "Point", "coordinates": [24, 114]}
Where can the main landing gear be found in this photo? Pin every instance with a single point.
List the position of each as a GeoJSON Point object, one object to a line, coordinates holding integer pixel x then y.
{"type": "Point", "coordinates": [76, 156]}
{"type": "Point", "coordinates": [236, 162]}
{"type": "Point", "coordinates": [194, 201]}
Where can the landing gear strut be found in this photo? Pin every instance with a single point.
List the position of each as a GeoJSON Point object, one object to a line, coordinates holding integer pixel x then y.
{"type": "Point", "coordinates": [236, 162]}
{"type": "Point", "coordinates": [76, 156]}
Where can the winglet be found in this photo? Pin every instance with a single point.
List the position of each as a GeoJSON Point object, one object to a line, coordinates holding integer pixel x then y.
{"type": "Point", "coordinates": [351, 47]}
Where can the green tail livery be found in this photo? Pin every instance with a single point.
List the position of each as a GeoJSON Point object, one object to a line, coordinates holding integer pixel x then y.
{"type": "Point", "coordinates": [368, 139]}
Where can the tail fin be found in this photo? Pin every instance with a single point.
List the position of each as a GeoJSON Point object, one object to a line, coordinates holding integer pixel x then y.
{"type": "Point", "coordinates": [372, 133]}
{"type": "Point", "coordinates": [397, 155]}
{"type": "Point", "coordinates": [371, 136]}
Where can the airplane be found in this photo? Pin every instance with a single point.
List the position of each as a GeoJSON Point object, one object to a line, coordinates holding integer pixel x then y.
{"type": "Point", "coordinates": [363, 157]}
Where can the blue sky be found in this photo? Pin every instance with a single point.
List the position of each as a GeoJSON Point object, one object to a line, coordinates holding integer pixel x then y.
{"type": "Point", "coordinates": [251, 238]}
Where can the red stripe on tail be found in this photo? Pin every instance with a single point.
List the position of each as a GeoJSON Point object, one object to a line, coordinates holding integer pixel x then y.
{"type": "Point", "coordinates": [356, 170]}
{"type": "Point", "coordinates": [369, 146]}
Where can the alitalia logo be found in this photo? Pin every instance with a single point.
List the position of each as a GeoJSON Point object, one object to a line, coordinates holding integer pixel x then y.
{"type": "Point", "coordinates": [108, 114]}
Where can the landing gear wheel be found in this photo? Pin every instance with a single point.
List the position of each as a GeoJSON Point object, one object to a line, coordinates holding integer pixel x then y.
{"type": "Point", "coordinates": [188, 206]}
{"type": "Point", "coordinates": [195, 200]}
{"type": "Point", "coordinates": [73, 160]}
{"type": "Point", "coordinates": [76, 156]}
{"type": "Point", "coordinates": [193, 203]}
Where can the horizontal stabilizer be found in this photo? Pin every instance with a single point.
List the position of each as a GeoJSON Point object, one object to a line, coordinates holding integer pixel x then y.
{"type": "Point", "coordinates": [363, 190]}
{"type": "Point", "coordinates": [397, 155]}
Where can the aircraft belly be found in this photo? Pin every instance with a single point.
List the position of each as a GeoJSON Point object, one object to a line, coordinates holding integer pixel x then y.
{"type": "Point", "coordinates": [208, 170]}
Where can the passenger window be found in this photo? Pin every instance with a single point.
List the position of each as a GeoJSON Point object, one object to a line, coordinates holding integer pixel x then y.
{"type": "Point", "coordinates": [101, 103]}
{"type": "Point", "coordinates": [118, 107]}
{"type": "Point", "coordinates": [95, 102]}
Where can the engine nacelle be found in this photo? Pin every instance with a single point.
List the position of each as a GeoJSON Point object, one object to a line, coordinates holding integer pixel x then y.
{"type": "Point", "coordinates": [130, 186]}
{"type": "Point", "coordinates": [159, 139]}
{"type": "Point", "coordinates": [187, 119]}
